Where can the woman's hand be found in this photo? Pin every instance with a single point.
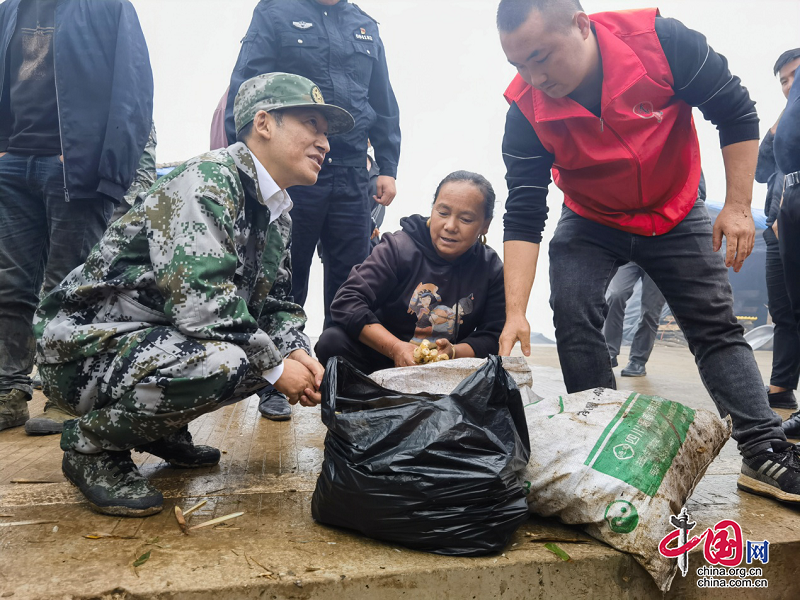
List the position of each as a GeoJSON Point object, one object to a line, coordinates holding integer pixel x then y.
{"type": "Point", "coordinates": [402, 353]}
{"type": "Point", "coordinates": [445, 347]}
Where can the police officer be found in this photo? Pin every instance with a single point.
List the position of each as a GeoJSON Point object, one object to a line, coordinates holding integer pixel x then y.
{"type": "Point", "coordinates": [336, 45]}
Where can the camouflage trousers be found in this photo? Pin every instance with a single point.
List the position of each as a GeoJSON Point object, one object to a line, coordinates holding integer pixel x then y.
{"type": "Point", "coordinates": [157, 382]}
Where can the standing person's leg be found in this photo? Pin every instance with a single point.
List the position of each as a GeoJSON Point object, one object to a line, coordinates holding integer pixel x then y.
{"type": "Point", "coordinates": [310, 207]}
{"type": "Point", "coordinates": [789, 241]}
{"type": "Point", "coordinates": [619, 292]}
{"type": "Point", "coordinates": [23, 239]}
{"type": "Point", "coordinates": [73, 228]}
{"type": "Point", "coordinates": [786, 338]}
{"type": "Point", "coordinates": [142, 398]}
{"type": "Point", "coordinates": [583, 258]}
{"type": "Point", "coordinates": [645, 336]}
{"type": "Point", "coordinates": [694, 281]}
{"type": "Point", "coordinates": [345, 237]}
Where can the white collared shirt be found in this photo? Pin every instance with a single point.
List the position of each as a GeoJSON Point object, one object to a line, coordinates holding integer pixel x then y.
{"type": "Point", "coordinates": [278, 202]}
{"type": "Point", "coordinates": [276, 199]}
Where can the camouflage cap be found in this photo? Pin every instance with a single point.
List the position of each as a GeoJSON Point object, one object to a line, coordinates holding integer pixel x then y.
{"type": "Point", "coordinates": [273, 91]}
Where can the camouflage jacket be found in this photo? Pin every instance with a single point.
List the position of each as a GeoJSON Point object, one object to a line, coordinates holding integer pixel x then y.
{"type": "Point", "coordinates": [198, 253]}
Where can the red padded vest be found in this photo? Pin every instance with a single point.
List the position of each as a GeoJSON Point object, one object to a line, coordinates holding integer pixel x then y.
{"type": "Point", "coordinates": [637, 167]}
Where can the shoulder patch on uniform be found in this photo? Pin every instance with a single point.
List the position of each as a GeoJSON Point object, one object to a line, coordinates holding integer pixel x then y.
{"type": "Point", "coordinates": [361, 10]}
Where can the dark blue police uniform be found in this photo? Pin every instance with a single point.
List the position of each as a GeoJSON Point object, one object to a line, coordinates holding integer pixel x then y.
{"type": "Point", "coordinates": [339, 48]}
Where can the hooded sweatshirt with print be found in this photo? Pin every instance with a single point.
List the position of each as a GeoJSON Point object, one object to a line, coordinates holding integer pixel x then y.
{"type": "Point", "coordinates": [408, 288]}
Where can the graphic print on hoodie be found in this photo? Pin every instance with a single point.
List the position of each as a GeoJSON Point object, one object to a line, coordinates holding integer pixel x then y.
{"type": "Point", "coordinates": [437, 321]}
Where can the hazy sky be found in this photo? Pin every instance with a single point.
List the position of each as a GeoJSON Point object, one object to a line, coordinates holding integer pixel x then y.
{"type": "Point", "coordinates": [449, 74]}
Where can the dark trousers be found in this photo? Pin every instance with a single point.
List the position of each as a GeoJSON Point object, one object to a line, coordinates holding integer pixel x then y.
{"type": "Point", "coordinates": [584, 256]}
{"type": "Point", "coordinates": [334, 341]}
{"type": "Point", "coordinates": [335, 211]}
{"type": "Point", "coordinates": [619, 292]}
{"type": "Point", "coordinates": [789, 241]}
{"type": "Point", "coordinates": [786, 340]}
{"type": "Point", "coordinates": [42, 238]}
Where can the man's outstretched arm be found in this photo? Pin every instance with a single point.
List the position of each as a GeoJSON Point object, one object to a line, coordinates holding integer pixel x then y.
{"type": "Point", "coordinates": [520, 260]}
{"type": "Point", "coordinates": [528, 167]}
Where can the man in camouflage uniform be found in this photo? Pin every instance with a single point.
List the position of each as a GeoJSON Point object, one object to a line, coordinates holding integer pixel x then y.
{"type": "Point", "coordinates": [184, 305]}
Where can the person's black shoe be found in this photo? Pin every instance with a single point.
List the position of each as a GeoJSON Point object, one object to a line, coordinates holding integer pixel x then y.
{"type": "Point", "coordinates": [634, 369]}
{"type": "Point", "coordinates": [614, 363]}
{"type": "Point", "coordinates": [179, 450]}
{"type": "Point", "coordinates": [773, 474]}
{"type": "Point", "coordinates": [111, 483]}
{"type": "Point", "coordinates": [273, 405]}
{"type": "Point", "coordinates": [784, 399]}
{"type": "Point", "coordinates": [791, 426]}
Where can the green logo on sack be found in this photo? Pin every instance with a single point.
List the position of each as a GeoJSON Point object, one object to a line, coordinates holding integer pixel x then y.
{"type": "Point", "coordinates": [641, 441]}
{"type": "Point", "coordinates": [622, 516]}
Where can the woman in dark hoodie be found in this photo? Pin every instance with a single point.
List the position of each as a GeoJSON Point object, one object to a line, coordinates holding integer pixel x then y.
{"type": "Point", "coordinates": [435, 280]}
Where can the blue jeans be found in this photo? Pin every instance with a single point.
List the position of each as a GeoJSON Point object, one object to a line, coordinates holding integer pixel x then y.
{"type": "Point", "coordinates": [584, 255]}
{"type": "Point", "coordinates": [619, 292]}
{"type": "Point", "coordinates": [42, 238]}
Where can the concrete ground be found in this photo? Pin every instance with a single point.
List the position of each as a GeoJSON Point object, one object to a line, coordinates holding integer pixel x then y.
{"type": "Point", "coordinates": [53, 546]}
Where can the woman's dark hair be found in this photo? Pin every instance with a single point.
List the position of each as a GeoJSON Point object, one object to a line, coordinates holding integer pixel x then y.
{"type": "Point", "coordinates": [479, 181]}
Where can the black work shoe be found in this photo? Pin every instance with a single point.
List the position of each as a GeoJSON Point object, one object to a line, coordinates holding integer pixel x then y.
{"type": "Point", "coordinates": [784, 399]}
{"type": "Point", "coordinates": [112, 484]}
{"type": "Point", "coordinates": [179, 450]}
{"type": "Point", "coordinates": [634, 369]}
{"type": "Point", "coordinates": [274, 406]}
{"type": "Point", "coordinates": [773, 474]}
{"type": "Point", "coordinates": [614, 363]}
{"type": "Point", "coordinates": [791, 426]}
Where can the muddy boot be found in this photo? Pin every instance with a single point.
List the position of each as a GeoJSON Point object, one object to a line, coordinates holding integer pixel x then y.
{"type": "Point", "coordinates": [13, 409]}
{"type": "Point", "coordinates": [49, 422]}
{"type": "Point", "coordinates": [179, 450]}
{"type": "Point", "coordinates": [112, 484]}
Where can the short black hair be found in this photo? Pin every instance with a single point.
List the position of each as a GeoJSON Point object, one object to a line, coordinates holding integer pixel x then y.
{"type": "Point", "coordinates": [513, 13]}
{"type": "Point", "coordinates": [785, 58]}
{"type": "Point", "coordinates": [479, 181]}
{"type": "Point", "coordinates": [247, 130]}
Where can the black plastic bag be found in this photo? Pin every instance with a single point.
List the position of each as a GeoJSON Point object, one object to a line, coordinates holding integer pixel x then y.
{"type": "Point", "coordinates": [430, 472]}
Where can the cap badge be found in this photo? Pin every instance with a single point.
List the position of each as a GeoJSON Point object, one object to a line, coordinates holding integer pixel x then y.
{"type": "Point", "coordinates": [316, 95]}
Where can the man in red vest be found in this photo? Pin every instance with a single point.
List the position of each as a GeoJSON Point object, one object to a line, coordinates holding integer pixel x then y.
{"type": "Point", "coordinates": [605, 103]}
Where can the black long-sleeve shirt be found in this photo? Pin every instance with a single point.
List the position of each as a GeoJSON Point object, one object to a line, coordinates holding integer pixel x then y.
{"type": "Point", "coordinates": [701, 79]}
{"type": "Point", "coordinates": [767, 172]}
{"type": "Point", "coordinates": [787, 136]}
